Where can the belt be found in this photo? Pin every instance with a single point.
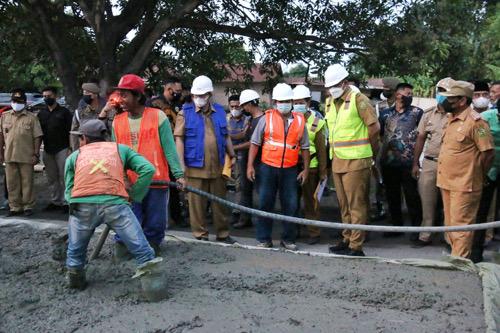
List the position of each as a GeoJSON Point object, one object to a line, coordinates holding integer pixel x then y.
{"type": "Point", "coordinates": [435, 159]}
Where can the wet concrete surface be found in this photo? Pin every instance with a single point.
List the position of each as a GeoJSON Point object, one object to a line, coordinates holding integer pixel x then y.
{"type": "Point", "coordinates": [225, 289]}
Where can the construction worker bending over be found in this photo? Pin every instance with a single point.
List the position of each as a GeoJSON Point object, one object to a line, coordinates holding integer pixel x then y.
{"type": "Point", "coordinates": [317, 150]}
{"type": "Point", "coordinates": [282, 135]}
{"type": "Point", "coordinates": [95, 189]}
{"type": "Point", "coordinates": [353, 133]}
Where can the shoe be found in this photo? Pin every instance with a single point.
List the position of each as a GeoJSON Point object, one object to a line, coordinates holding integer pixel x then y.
{"type": "Point", "coordinates": [121, 252]}
{"type": "Point", "coordinates": [5, 205]}
{"type": "Point", "coordinates": [313, 240]}
{"type": "Point", "coordinates": [203, 238]}
{"type": "Point", "coordinates": [76, 279]}
{"type": "Point", "coordinates": [242, 224]}
{"type": "Point", "coordinates": [28, 212]}
{"type": "Point", "coordinates": [13, 213]}
{"type": "Point", "coordinates": [339, 248]}
{"type": "Point", "coordinates": [265, 245]}
{"type": "Point", "coordinates": [156, 248]}
{"type": "Point", "coordinates": [153, 282]}
{"type": "Point", "coordinates": [226, 240]}
{"type": "Point", "coordinates": [288, 246]}
{"type": "Point", "coordinates": [392, 234]}
{"type": "Point", "coordinates": [420, 243]}
{"type": "Point", "coordinates": [51, 207]}
{"type": "Point", "coordinates": [355, 253]}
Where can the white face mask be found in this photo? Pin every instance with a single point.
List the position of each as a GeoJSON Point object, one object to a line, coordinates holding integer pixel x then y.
{"type": "Point", "coordinates": [336, 92]}
{"type": "Point", "coordinates": [235, 113]}
{"type": "Point", "coordinates": [200, 101]}
{"type": "Point", "coordinates": [481, 102]}
{"type": "Point", "coordinates": [17, 106]}
{"type": "Point", "coordinates": [284, 108]}
{"type": "Point", "coordinates": [382, 97]}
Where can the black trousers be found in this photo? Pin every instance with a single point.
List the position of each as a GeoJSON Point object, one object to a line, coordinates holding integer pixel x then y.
{"type": "Point", "coordinates": [396, 178]}
{"type": "Point", "coordinates": [482, 214]}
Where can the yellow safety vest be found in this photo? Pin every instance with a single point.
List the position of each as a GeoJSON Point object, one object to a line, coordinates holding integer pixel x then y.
{"type": "Point", "coordinates": [314, 125]}
{"type": "Point", "coordinates": [348, 134]}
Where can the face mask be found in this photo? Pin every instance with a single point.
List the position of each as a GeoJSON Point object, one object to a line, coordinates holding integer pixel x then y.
{"type": "Point", "coordinates": [235, 113]}
{"type": "Point", "coordinates": [176, 97]}
{"type": "Point", "coordinates": [336, 92]}
{"type": "Point", "coordinates": [284, 108]}
{"type": "Point", "coordinates": [382, 97]}
{"type": "Point", "coordinates": [440, 98]}
{"type": "Point", "coordinates": [49, 100]}
{"type": "Point", "coordinates": [87, 99]}
{"type": "Point", "coordinates": [300, 108]}
{"type": "Point", "coordinates": [387, 94]}
{"type": "Point", "coordinates": [447, 106]}
{"type": "Point", "coordinates": [481, 102]}
{"type": "Point", "coordinates": [17, 106]}
{"type": "Point", "coordinates": [407, 100]}
{"type": "Point", "coordinates": [200, 101]}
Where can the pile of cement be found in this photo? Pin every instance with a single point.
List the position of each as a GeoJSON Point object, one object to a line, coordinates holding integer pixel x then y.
{"type": "Point", "coordinates": [216, 289]}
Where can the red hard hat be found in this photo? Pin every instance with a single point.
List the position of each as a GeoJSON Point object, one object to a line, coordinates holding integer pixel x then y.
{"type": "Point", "coordinates": [131, 82]}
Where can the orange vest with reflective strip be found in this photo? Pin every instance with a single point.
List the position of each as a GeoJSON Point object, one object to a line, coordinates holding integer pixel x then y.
{"type": "Point", "coordinates": [149, 142]}
{"type": "Point", "coordinates": [98, 171]}
{"type": "Point", "coordinates": [280, 149]}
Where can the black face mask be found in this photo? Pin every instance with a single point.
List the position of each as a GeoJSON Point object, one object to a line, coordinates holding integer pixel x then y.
{"type": "Point", "coordinates": [407, 100]}
{"type": "Point", "coordinates": [87, 99]}
{"type": "Point", "coordinates": [387, 93]}
{"type": "Point", "coordinates": [49, 101]}
{"type": "Point", "coordinates": [447, 106]}
{"type": "Point", "coordinates": [176, 97]}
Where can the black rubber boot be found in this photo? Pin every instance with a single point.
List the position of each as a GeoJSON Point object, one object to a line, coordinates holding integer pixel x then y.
{"type": "Point", "coordinates": [76, 279]}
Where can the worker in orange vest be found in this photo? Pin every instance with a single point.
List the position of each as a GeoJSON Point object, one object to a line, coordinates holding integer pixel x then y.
{"type": "Point", "coordinates": [147, 131]}
{"type": "Point", "coordinates": [282, 136]}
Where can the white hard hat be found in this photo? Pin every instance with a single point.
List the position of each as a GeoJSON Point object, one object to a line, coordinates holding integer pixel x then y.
{"type": "Point", "coordinates": [282, 92]}
{"type": "Point", "coordinates": [202, 85]}
{"type": "Point", "coordinates": [248, 95]}
{"type": "Point", "coordinates": [334, 74]}
{"type": "Point", "coordinates": [301, 92]}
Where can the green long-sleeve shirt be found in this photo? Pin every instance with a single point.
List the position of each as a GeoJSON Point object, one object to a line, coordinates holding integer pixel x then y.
{"type": "Point", "coordinates": [167, 144]}
{"type": "Point", "coordinates": [131, 161]}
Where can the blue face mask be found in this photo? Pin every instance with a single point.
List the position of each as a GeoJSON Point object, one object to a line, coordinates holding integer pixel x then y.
{"type": "Point", "coordinates": [440, 98]}
{"type": "Point", "coordinates": [302, 108]}
{"type": "Point", "coordinates": [284, 108]}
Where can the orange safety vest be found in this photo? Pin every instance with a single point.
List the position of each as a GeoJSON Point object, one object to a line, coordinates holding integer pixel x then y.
{"type": "Point", "coordinates": [98, 171]}
{"type": "Point", "coordinates": [280, 149]}
{"type": "Point", "coordinates": [149, 142]}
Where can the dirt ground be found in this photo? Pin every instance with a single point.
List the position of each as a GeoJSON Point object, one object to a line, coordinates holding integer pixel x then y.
{"type": "Point", "coordinates": [217, 289]}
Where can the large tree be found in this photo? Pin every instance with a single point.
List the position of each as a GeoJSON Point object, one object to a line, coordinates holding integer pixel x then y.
{"type": "Point", "coordinates": [106, 38]}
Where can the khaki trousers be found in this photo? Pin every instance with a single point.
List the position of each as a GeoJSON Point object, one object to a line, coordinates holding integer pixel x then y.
{"type": "Point", "coordinates": [198, 207]}
{"type": "Point", "coordinates": [429, 195]}
{"type": "Point", "coordinates": [460, 208]}
{"type": "Point", "coordinates": [20, 186]}
{"type": "Point", "coordinates": [310, 211]}
{"type": "Point", "coordinates": [54, 168]}
{"type": "Point", "coordinates": [353, 191]}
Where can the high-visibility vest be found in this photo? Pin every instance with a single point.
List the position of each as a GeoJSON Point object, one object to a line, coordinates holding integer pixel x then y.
{"type": "Point", "coordinates": [348, 134]}
{"type": "Point", "coordinates": [99, 171]}
{"type": "Point", "coordinates": [280, 149]}
{"type": "Point", "coordinates": [314, 125]}
{"type": "Point", "coordinates": [149, 142]}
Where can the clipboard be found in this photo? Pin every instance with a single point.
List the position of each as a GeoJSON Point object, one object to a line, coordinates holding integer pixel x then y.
{"type": "Point", "coordinates": [318, 194]}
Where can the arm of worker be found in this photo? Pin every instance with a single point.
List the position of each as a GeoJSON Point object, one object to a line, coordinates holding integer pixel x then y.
{"type": "Point", "coordinates": [484, 142]}
{"type": "Point", "coordinates": [37, 135]}
{"type": "Point", "coordinates": [306, 157]}
{"type": "Point", "coordinates": [320, 144]}
{"type": "Point", "coordinates": [179, 138]}
{"type": "Point", "coordinates": [255, 143]}
{"type": "Point", "coordinates": [169, 149]}
{"type": "Point", "coordinates": [369, 116]}
{"type": "Point", "coordinates": [69, 174]}
{"type": "Point", "coordinates": [242, 146]}
{"type": "Point", "coordinates": [142, 167]}
{"type": "Point", "coordinates": [419, 147]}
{"type": "Point", "coordinates": [230, 150]}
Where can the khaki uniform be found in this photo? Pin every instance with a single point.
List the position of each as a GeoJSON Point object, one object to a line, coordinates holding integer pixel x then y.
{"type": "Point", "coordinates": [86, 113]}
{"type": "Point", "coordinates": [460, 174]}
{"type": "Point", "coordinates": [169, 110]}
{"type": "Point", "coordinates": [20, 131]}
{"type": "Point", "coordinates": [208, 179]}
{"type": "Point", "coordinates": [432, 126]}
{"type": "Point", "coordinates": [352, 178]}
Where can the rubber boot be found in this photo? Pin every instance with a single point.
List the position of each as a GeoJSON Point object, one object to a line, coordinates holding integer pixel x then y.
{"type": "Point", "coordinates": [76, 279]}
{"type": "Point", "coordinates": [156, 248]}
{"type": "Point", "coordinates": [121, 252]}
{"type": "Point", "coordinates": [59, 247]}
{"type": "Point", "coordinates": [153, 283]}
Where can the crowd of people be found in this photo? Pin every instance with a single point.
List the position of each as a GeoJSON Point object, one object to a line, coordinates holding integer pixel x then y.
{"type": "Point", "coordinates": [110, 160]}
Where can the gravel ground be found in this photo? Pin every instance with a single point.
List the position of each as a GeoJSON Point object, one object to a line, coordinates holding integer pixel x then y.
{"type": "Point", "coordinates": [218, 289]}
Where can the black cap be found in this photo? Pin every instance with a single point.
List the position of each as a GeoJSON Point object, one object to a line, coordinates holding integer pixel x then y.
{"type": "Point", "coordinates": [18, 95]}
{"type": "Point", "coordinates": [481, 85]}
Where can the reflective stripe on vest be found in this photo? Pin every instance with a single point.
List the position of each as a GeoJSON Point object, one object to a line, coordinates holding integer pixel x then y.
{"type": "Point", "coordinates": [149, 142]}
{"type": "Point", "coordinates": [314, 125]}
{"type": "Point", "coordinates": [348, 135]}
{"type": "Point", "coordinates": [99, 171]}
{"type": "Point", "coordinates": [280, 149]}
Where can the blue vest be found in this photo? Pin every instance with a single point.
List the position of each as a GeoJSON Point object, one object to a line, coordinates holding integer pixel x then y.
{"type": "Point", "coordinates": [194, 135]}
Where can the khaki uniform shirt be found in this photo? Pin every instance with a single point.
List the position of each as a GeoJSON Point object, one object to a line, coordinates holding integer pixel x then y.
{"type": "Point", "coordinates": [369, 117]}
{"type": "Point", "coordinates": [432, 125]}
{"type": "Point", "coordinates": [459, 165]}
{"type": "Point", "coordinates": [211, 167]}
{"type": "Point", "coordinates": [169, 110]}
{"type": "Point", "coordinates": [20, 129]}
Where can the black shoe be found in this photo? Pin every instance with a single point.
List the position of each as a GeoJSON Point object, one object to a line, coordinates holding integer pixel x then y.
{"type": "Point", "coordinates": [355, 253]}
{"type": "Point", "coordinates": [156, 248]}
{"type": "Point", "coordinates": [51, 207]}
{"type": "Point", "coordinates": [313, 240]}
{"type": "Point", "coordinates": [265, 245]}
{"type": "Point", "coordinates": [226, 240]}
{"type": "Point", "coordinates": [13, 213]}
{"type": "Point", "coordinates": [28, 212]}
{"type": "Point", "coordinates": [393, 234]}
{"type": "Point", "coordinates": [203, 238]}
{"type": "Point", "coordinates": [76, 279]}
{"type": "Point", "coordinates": [339, 248]}
{"type": "Point", "coordinates": [289, 245]}
{"type": "Point", "coordinates": [418, 243]}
